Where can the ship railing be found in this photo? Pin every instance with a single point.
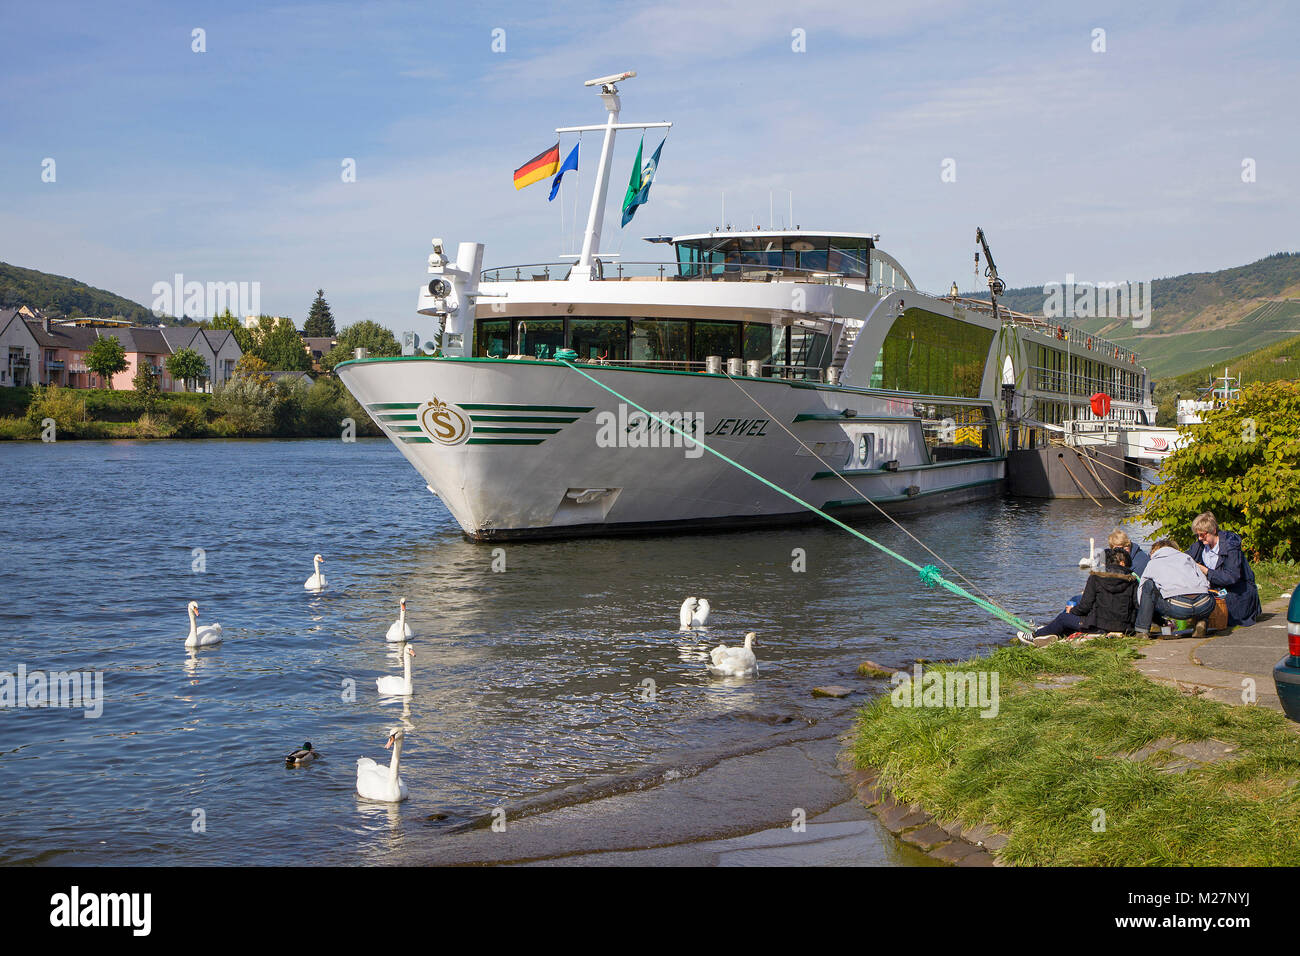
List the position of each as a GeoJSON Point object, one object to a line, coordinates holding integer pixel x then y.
{"type": "Point", "coordinates": [1081, 338]}
{"type": "Point", "coordinates": [1061, 382]}
{"type": "Point", "coordinates": [620, 271]}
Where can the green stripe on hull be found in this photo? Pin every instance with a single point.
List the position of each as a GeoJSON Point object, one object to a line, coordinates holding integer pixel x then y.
{"type": "Point", "coordinates": [523, 419]}
{"type": "Point", "coordinates": [390, 417]}
{"type": "Point", "coordinates": [380, 406]}
{"type": "Point", "coordinates": [525, 408]}
{"type": "Point", "coordinates": [505, 441]}
{"type": "Point", "coordinates": [485, 430]}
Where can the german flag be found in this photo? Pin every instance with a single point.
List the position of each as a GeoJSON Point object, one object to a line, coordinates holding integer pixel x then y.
{"type": "Point", "coordinates": [542, 166]}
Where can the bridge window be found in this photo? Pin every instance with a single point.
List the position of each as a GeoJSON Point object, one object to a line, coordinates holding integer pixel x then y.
{"type": "Point", "coordinates": [492, 338]}
{"type": "Point", "coordinates": [716, 338]}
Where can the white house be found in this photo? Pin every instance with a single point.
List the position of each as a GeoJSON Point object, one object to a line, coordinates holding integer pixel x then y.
{"type": "Point", "coordinates": [218, 348]}
{"type": "Point", "coordinates": [19, 351]}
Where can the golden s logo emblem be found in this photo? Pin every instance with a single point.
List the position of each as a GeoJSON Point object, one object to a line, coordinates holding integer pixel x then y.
{"type": "Point", "coordinates": [444, 423]}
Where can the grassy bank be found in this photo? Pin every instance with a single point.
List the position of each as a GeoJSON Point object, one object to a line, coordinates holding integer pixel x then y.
{"type": "Point", "coordinates": [252, 407]}
{"type": "Point", "coordinates": [1041, 768]}
{"type": "Point", "coordinates": [1274, 578]}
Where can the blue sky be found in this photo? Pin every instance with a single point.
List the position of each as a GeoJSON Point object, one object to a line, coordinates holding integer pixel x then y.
{"type": "Point", "coordinates": [225, 165]}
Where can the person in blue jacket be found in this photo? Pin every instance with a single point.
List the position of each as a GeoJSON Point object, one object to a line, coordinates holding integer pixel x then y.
{"type": "Point", "coordinates": [1219, 554]}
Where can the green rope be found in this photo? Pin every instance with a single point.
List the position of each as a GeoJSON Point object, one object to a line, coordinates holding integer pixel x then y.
{"type": "Point", "coordinates": [930, 575]}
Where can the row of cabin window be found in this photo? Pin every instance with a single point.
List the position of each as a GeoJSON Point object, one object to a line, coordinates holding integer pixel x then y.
{"type": "Point", "coordinates": [651, 340]}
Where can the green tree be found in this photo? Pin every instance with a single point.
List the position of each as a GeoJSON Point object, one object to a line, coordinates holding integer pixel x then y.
{"type": "Point", "coordinates": [368, 335]}
{"type": "Point", "coordinates": [146, 388]}
{"type": "Point", "coordinates": [280, 346]}
{"type": "Point", "coordinates": [320, 321]}
{"type": "Point", "coordinates": [187, 366]}
{"type": "Point", "coordinates": [250, 363]}
{"type": "Point", "coordinates": [106, 357]}
{"type": "Point", "coordinates": [1239, 463]}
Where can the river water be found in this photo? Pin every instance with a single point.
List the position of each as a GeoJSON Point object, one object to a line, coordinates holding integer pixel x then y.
{"type": "Point", "coordinates": [529, 681]}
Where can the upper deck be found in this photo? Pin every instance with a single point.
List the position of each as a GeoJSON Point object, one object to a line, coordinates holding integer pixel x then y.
{"type": "Point", "coordinates": [779, 255]}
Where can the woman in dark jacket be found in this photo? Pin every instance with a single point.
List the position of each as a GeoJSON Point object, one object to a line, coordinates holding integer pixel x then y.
{"type": "Point", "coordinates": [1109, 601]}
{"type": "Point", "coordinates": [1231, 571]}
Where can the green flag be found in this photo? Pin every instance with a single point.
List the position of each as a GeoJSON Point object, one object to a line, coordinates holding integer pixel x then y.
{"type": "Point", "coordinates": [633, 185]}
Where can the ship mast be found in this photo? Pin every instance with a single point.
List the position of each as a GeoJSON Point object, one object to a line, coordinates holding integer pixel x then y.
{"type": "Point", "coordinates": [596, 215]}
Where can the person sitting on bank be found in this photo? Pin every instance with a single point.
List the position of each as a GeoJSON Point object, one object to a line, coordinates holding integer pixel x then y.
{"type": "Point", "coordinates": [1108, 602]}
{"type": "Point", "coordinates": [1173, 587]}
{"type": "Point", "coordinates": [1118, 539]}
{"type": "Point", "coordinates": [1221, 559]}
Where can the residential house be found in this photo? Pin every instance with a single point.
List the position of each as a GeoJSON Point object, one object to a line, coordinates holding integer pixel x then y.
{"type": "Point", "coordinates": [39, 351]}
{"type": "Point", "coordinates": [144, 346]}
{"type": "Point", "coordinates": [62, 360]}
{"type": "Point", "coordinates": [19, 351]}
{"type": "Point", "coordinates": [317, 346]}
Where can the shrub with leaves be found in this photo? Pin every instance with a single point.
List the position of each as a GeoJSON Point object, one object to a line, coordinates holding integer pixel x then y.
{"type": "Point", "coordinates": [245, 405]}
{"type": "Point", "coordinates": [61, 404]}
{"type": "Point", "coordinates": [1241, 464]}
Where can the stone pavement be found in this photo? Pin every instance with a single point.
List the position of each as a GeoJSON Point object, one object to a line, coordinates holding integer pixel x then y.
{"type": "Point", "coordinates": [1228, 667]}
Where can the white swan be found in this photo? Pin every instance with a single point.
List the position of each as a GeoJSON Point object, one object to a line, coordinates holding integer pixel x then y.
{"type": "Point", "coordinates": [399, 630]}
{"type": "Point", "coordinates": [734, 661]}
{"type": "Point", "coordinates": [201, 636]}
{"type": "Point", "coordinates": [687, 612]}
{"type": "Point", "coordinates": [701, 616]}
{"type": "Point", "coordinates": [377, 782]}
{"type": "Point", "coordinates": [317, 581]}
{"type": "Point", "coordinates": [398, 686]}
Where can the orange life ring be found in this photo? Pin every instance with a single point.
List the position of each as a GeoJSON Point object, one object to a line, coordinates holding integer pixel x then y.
{"type": "Point", "coordinates": [1060, 332]}
{"type": "Point", "coordinates": [1089, 341]}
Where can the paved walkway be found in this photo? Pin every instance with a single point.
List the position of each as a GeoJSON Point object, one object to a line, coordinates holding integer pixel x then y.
{"type": "Point", "coordinates": [1227, 667]}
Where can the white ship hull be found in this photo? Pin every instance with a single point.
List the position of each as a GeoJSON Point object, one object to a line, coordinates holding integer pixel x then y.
{"type": "Point", "coordinates": [534, 449]}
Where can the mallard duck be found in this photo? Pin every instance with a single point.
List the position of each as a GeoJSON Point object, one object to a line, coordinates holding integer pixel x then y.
{"type": "Point", "coordinates": [300, 758]}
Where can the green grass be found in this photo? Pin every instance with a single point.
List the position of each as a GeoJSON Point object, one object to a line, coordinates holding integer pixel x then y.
{"type": "Point", "coordinates": [1275, 578]}
{"type": "Point", "coordinates": [1039, 769]}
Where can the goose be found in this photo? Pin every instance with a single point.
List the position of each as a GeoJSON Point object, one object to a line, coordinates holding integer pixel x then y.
{"type": "Point", "coordinates": [300, 758]}
{"type": "Point", "coordinates": [734, 661]}
{"type": "Point", "coordinates": [201, 636]}
{"type": "Point", "coordinates": [687, 612]}
{"type": "Point", "coordinates": [375, 782]}
{"type": "Point", "coordinates": [317, 581]}
{"type": "Point", "coordinates": [701, 616]}
{"type": "Point", "coordinates": [398, 686]}
{"type": "Point", "coordinates": [399, 630]}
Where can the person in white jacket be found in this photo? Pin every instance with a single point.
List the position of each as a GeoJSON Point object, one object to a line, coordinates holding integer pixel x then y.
{"type": "Point", "coordinates": [1173, 586]}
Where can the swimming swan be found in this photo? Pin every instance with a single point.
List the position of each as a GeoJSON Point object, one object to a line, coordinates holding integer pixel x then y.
{"type": "Point", "coordinates": [317, 581]}
{"type": "Point", "coordinates": [701, 616]}
{"type": "Point", "coordinates": [300, 758]}
{"type": "Point", "coordinates": [399, 630]}
{"type": "Point", "coordinates": [398, 686]}
{"type": "Point", "coordinates": [687, 612]}
{"type": "Point", "coordinates": [201, 636]}
{"type": "Point", "coordinates": [376, 782]}
{"type": "Point", "coordinates": [734, 661]}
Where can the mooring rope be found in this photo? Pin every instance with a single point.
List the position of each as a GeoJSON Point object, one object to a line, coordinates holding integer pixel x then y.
{"type": "Point", "coordinates": [1078, 482]}
{"type": "Point", "coordinates": [857, 491]}
{"type": "Point", "coordinates": [930, 574]}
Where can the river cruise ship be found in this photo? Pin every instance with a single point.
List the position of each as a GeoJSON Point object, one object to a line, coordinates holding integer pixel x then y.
{"type": "Point", "coordinates": [572, 398]}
